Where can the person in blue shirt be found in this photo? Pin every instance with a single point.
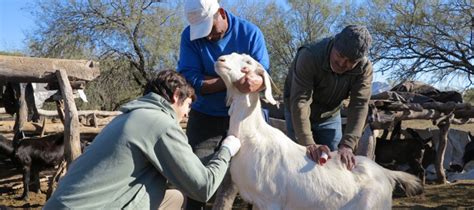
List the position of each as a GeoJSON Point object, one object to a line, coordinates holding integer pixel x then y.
{"type": "Point", "coordinates": [213, 32]}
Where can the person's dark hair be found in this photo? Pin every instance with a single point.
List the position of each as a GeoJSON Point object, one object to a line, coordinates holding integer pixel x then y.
{"type": "Point", "coordinates": [353, 41]}
{"type": "Point", "coordinates": [166, 83]}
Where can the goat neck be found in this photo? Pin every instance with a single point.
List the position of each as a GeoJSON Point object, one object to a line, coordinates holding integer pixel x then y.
{"type": "Point", "coordinates": [245, 112]}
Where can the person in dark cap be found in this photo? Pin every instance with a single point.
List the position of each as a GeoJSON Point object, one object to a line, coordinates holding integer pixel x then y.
{"type": "Point", "coordinates": [321, 76]}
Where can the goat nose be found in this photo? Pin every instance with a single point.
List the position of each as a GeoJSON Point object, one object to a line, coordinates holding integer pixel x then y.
{"type": "Point", "coordinates": [221, 59]}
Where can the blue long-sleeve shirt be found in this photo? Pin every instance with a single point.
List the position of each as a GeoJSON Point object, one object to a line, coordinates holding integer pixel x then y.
{"type": "Point", "coordinates": [196, 59]}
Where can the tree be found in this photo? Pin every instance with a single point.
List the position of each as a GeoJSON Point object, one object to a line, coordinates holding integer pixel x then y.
{"type": "Point", "coordinates": [286, 27]}
{"type": "Point", "coordinates": [417, 37]}
{"type": "Point", "coordinates": [468, 96]}
{"type": "Point", "coordinates": [132, 39]}
{"type": "Point", "coordinates": [127, 29]}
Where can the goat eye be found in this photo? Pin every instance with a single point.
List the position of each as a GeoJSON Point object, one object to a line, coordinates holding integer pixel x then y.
{"type": "Point", "coordinates": [248, 62]}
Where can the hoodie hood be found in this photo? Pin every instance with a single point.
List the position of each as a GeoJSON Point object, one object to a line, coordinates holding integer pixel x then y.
{"type": "Point", "coordinates": [149, 101]}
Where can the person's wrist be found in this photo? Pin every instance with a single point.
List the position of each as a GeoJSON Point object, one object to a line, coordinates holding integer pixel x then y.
{"type": "Point", "coordinates": [226, 147]}
{"type": "Point", "coordinates": [310, 144]}
{"type": "Point", "coordinates": [345, 147]}
{"type": "Point", "coordinates": [232, 144]}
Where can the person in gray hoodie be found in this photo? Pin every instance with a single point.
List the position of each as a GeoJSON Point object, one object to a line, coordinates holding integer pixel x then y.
{"type": "Point", "coordinates": [131, 160]}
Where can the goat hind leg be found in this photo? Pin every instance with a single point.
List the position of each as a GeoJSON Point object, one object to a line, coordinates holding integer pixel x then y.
{"type": "Point", "coordinates": [35, 176]}
{"type": "Point", "coordinates": [226, 194]}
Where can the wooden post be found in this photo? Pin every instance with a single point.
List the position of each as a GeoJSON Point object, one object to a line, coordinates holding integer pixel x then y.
{"type": "Point", "coordinates": [53, 182]}
{"type": "Point", "coordinates": [443, 140]}
{"type": "Point", "coordinates": [60, 109]}
{"type": "Point", "coordinates": [21, 114]}
{"type": "Point", "coordinates": [72, 147]}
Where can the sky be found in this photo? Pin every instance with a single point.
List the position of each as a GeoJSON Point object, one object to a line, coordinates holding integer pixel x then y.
{"type": "Point", "coordinates": [16, 21]}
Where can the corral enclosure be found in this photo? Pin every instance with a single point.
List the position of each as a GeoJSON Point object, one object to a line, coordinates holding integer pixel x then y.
{"type": "Point", "coordinates": [454, 195]}
{"type": "Point", "coordinates": [448, 195]}
{"type": "Point", "coordinates": [432, 49]}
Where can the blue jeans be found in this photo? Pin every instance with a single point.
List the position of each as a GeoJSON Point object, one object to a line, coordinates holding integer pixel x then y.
{"type": "Point", "coordinates": [328, 132]}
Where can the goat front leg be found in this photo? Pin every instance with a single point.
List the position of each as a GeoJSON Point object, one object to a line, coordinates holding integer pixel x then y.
{"type": "Point", "coordinates": [226, 194]}
{"type": "Point", "coordinates": [417, 167]}
{"type": "Point", "coordinates": [26, 182]}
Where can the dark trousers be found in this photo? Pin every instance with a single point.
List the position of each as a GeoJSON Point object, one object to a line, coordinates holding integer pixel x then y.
{"type": "Point", "coordinates": [204, 134]}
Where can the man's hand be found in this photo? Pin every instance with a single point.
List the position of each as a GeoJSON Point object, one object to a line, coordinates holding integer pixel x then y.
{"type": "Point", "coordinates": [251, 82]}
{"type": "Point", "coordinates": [347, 156]}
{"type": "Point", "coordinates": [314, 152]}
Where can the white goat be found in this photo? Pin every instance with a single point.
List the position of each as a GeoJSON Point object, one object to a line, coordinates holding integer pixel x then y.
{"type": "Point", "coordinates": [273, 172]}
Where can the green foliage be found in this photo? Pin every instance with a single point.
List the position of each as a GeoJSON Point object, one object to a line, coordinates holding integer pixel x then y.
{"type": "Point", "coordinates": [132, 40]}
{"type": "Point", "coordinates": [468, 96]}
{"type": "Point", "coordinates": [287, 27]}
{"type": "Point", "coordinates": [416, 37]}
{"type": "Point", "coordinates": [112, 88]}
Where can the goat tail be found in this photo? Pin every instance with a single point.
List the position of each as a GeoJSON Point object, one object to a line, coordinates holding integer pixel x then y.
{"type": "Point", "coordinates": [6, 147]}
{"type": "Point", "coordinates": [410, 183]}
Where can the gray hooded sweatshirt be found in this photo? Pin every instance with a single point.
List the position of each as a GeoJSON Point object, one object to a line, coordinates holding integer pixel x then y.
{"type": "Point", "coordinates": [129, 163]}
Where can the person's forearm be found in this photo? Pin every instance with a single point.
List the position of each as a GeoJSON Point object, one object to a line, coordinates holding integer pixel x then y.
{"type": "Point", "coordinates": [355, 125]}
{"type": "Point", "coordinates": [302, 125]}
{"type": "Point", "coordinates": [212, 85]}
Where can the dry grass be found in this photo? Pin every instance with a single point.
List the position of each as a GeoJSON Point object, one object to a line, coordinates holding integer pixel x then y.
{"type": "Point", "coordinates": [424, 124]}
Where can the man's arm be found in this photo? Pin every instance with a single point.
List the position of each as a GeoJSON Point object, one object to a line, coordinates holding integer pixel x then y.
{"type": "Point", "coordinates": [301, 97]}
{"type": "Point", "coordinates": [191, 67]}
{"type": "Point", "coordinates": [177, 162]}
{"type": "Point", "coordinates": [357, 115]}
{"type": "Point", "coordinates": [358, 107]}
{"type": "Point", "coordinates": [212, 85]}
{"type": "Point", "coordinates": [253, 82]}
{"type": "Point", "coordinates": [259, 50]}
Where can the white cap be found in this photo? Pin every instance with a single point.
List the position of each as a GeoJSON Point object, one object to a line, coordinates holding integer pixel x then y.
{"type": "Point", "coordinates": [200, 15]}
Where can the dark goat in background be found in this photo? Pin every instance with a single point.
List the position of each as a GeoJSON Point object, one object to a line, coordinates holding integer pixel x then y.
{"type": "Point", "coordinates": [415, 151]}
{"type": "Point", "coordinates": [33, 155]}
{"type": "Point", "coordinates": [469, 150]}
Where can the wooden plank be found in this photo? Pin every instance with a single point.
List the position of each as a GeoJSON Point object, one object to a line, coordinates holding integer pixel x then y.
{"type": "Point", "coordinates": [32, 127]}
{"type": "Point", "coordinates": [29, 69]}
{"type": "Point", "coordinates": [54, 113]}
{"type": "Point", "coordinates": [21, 114]}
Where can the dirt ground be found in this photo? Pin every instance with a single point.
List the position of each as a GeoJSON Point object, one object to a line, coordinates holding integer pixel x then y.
{"type": "Point", "coordinates": [449, 196]}
{"type": "Point", "coordinates": [454, 195]}
{"type": "Point", "coordinates": [11, 188]}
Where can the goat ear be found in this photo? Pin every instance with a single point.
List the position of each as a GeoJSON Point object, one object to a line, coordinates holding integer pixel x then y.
{"type": "Point", "coordinates": [267, 81]}
{"type": "Point", "coordinates": [229, 94]}
{"type": "Point", "coordinates": [229, 97]}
